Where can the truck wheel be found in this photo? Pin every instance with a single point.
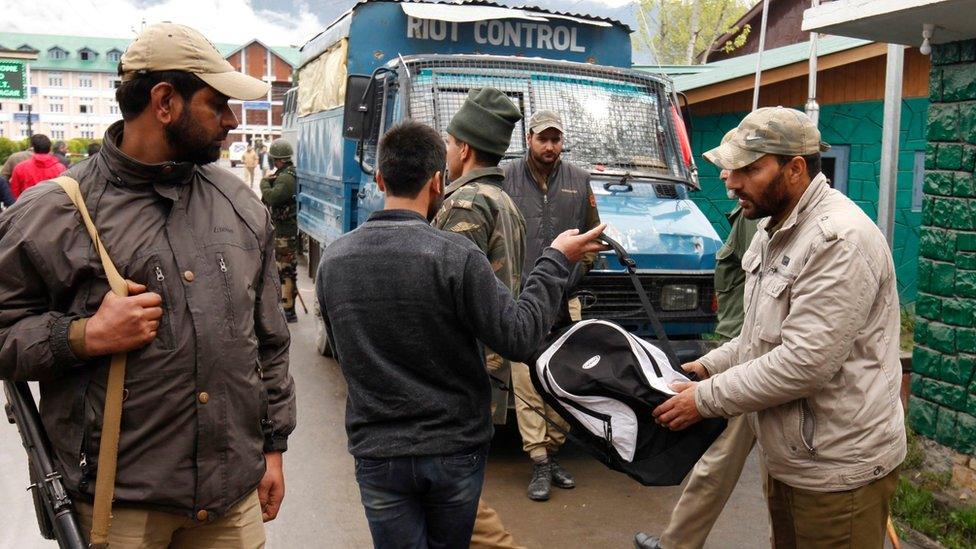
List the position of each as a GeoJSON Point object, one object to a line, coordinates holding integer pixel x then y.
{"type": "Point", "coordinates": [233, 163]}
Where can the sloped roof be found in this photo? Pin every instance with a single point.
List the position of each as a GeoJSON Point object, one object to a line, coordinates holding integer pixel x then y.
{"type": "Point", "coordinates": [101, 46]}
{"type": "Point", "coordinates": [736, 67]}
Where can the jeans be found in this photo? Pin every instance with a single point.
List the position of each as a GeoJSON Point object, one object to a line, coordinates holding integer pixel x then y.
{"type": "Point", "coordinates": [422, 502]}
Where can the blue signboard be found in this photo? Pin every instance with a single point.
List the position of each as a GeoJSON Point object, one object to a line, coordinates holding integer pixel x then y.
{"type": "Point", "coordinates": [22, 117]}
{"type": "Point", "coordinates": [381, 31]}
{"type": "Point", "coordinates": [257, 105]}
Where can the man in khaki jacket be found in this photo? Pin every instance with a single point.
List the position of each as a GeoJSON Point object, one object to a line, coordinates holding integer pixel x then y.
{"type": "Point", "coordinates": [817, 357]}
{"type": "Point", "coordinates": [250, 164]}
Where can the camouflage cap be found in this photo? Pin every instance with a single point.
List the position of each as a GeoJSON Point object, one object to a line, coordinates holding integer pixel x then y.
{"type": "Point", "coordinates": [543, 120]}
{"type": "Point", "coordinates": [769, 130]}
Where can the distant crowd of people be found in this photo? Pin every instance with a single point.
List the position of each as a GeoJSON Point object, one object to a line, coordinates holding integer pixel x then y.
{"type": "Point", "coordinates": [40, 162]}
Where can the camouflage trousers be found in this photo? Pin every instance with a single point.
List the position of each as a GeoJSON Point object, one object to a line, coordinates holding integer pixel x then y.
{"type": "Point", "coordinates": [286, 259]}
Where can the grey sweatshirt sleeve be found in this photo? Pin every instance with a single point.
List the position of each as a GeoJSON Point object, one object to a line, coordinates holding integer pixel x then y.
{"type": "Point", "coordinates": [514, 329]}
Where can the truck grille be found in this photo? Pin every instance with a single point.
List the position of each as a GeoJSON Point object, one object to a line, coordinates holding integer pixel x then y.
{"type": "Point", "coordinates": [611, 296]}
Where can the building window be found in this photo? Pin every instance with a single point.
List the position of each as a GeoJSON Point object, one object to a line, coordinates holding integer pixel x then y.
{"type": "Point", "coordinates": [87, 54]}
{"type": "Point", "coordinates": [86, 105]}
{"type": "Point", "coordinates": [114, 109]}
{"type": "Point", "coordinates": [55, 104]}
{"type": "Point", "coordinates": [87, 131]}
{"type": "Point", "coordinates": [918, 180]}
{"type": "Point", "coordinates": [114, 83]}
{"type": "Point", "coordinates": [57, 131]}
{"type": "Point", "coordinates": [55, 80]}
{"type": "Point", "coordinates": [114, 55]}
{"type": "Point", "coordinates": [834, 164]}
{"type": "Point", "coordinates": [22, 107]}
{"type": "Point", "coordinates": [57, 53]}
{"type": "Point", "coordinates": [84, 81]}
{"type": "Point", "coordinates": [85, 109]}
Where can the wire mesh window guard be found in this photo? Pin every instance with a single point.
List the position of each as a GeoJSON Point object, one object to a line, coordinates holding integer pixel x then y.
{"type": "Point", "coordinates": [615, 120]}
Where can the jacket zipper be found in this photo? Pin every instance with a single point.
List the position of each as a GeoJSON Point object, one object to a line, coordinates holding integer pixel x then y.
{"type": "Point", "coordinates": [805, 410]}
{"type": "Point", "coordinates": [222, 265]}
{"type": "Point", "coordinates": [164, 324]}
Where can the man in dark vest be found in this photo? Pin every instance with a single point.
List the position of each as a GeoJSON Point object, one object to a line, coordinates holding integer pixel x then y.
{"type": "Point", "coordinates": [553, 196]}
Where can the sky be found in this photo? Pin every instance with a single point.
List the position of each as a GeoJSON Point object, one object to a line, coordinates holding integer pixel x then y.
{"type": "Point", "coordinates": [274, 22]}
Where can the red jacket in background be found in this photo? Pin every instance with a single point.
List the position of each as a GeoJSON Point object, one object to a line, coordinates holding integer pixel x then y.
{"type": "Point", "coordinates": [32, 171]}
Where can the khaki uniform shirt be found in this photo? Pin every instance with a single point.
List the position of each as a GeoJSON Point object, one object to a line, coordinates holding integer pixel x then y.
{"type": "Point", "coordinates": [730, 279]}
{"type": "Point", "coordinates": [476, 206]}
{"type": "Point", "coordinates": [817, 357]}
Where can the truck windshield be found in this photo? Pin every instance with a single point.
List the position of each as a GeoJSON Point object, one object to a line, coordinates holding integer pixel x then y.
{"type": "Point", "coordinates": [614, 119]}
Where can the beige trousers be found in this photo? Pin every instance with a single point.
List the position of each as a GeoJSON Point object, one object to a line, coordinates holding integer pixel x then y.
{"type": "Point", "coordinates": [538, 437]}
{"type": "Point", "coordinates": [489, 533]}
{"type": "Point", "coordinates": [249, 174]}
{"type": "Point", "coordinates": [709, 486]}
{"type": "Point", "coordinates": [131, 528]}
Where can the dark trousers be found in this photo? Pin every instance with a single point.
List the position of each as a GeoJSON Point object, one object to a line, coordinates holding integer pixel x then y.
{"type": "Point", "coordinates": [422, 502]}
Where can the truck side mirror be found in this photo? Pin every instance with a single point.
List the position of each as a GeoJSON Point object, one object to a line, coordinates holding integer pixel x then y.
{"type": "Point", "coordinates": [359, 106]}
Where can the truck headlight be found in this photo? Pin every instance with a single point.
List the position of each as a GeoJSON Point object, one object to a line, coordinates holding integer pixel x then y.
{"type": "Point", "coordinates": [679, 297]}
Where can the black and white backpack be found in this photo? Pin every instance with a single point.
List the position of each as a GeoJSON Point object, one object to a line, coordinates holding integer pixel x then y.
{"type": "Point", "coordinates": [605, 382]}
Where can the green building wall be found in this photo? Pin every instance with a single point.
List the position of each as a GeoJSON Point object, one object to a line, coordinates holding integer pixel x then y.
{"type": "Point", "coordinates": [859, 126]}
{"type": "Point", "coordinates": [943, 404]}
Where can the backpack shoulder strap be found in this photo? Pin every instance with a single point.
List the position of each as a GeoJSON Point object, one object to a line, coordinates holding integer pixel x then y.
{"type": "Point", "coordinates": [108, 449]}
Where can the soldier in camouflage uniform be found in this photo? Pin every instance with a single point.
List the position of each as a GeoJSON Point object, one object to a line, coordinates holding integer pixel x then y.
{"type": "Point", "coordinates": [476, 206]}
{"type": "Point", "coordinates": [278, 192]}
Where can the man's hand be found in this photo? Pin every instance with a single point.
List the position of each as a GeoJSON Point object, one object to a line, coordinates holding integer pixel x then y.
{"type": "Point", "coordinates": [695, 368]}
{"type": "Point", "coordinates": [574, 245]}
{"type": "Point", "coordinates": [122, 324]}
{"type": "Point", "coordinates": [679, 411]}
{"type": "Point", "coordinates": [272, 488]}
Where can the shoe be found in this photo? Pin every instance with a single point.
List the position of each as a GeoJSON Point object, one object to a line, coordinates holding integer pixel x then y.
{"type": "Point", "coordinates": [541, 483]}
{"type": "Point", "coordinates": [643, 541]}
{"type": "Point", "coordinates": [561, 477]}
{"type": "Point", "coordinates": [291, 317]}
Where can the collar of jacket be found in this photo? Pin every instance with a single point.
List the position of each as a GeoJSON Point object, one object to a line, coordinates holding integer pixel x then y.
{"type": "Point", "coordinates": [130, 172]}
{"type": "Point", "coordinates": [492, 176]}
{"type": "Point", "coordinates": [734, 214]}
{"type": "Point", "coordinates": [815, 192]}
{"type": "Point", "coordinates": [536, 172]}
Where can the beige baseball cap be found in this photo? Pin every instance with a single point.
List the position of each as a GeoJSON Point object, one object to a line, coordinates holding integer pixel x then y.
{"type": "Point", "coordinates": [543, 120]}
{"type": "Point", "coordinates": [172, 47]}
{"type": "Point", "coordinates": [769, 130]}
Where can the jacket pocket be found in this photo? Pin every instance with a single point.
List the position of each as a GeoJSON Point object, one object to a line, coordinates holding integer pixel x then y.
{"type": "Point", "coordinates": [164, 335]}
{"type": "Point", "coordinates": [808, 427]}
{"type": "Point", "coordinates": [231, 320]}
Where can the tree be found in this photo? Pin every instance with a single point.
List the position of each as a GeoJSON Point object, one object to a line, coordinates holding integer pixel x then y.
{"type": "Point", "coordinates": [676, 31]}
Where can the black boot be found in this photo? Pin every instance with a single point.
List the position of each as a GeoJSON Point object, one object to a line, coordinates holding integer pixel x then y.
{"type": "Point", "coordinates": [643, 541]}
{"type": "Point", "coordinates": [290, 316]}
{"type": "Point", "coordinates": [561, 477]}
{"type": "Point", "coordinates": [541, 483]}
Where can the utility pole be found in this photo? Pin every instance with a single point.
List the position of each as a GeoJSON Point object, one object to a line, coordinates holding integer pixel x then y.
{"type": "Point", "coordinates": [890, 132]}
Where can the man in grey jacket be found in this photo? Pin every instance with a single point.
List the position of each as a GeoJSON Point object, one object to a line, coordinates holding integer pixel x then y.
{"type": "Point", "coordinates": [553, 196]}
{"type": "Point", "coordinates": [817, 358]}
{"type": "Point", "coordinates": [409, 308]}
{"type": "Point", "coordinates": [208, 402]}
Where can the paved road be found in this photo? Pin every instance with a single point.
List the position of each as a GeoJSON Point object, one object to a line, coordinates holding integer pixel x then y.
{"type": "Point", "coordinates": [322, 507]}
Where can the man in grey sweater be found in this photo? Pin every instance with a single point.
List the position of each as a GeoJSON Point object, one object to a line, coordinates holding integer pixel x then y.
{"type": "Point", "coordinates": [408, 309]}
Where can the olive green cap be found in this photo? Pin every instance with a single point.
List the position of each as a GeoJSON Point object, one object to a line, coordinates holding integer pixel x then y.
{"type": "Point", "coordinates": [769, 130]}
{"type": "Point", "coordinates": [486, 120]}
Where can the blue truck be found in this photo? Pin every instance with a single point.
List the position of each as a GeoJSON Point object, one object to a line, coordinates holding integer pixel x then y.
{"type": "Point", "coordinates": [384, 61]}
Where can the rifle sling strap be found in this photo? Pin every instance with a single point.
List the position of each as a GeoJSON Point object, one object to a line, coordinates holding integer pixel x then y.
{"type": "Point", "coordinates": [108, 449]}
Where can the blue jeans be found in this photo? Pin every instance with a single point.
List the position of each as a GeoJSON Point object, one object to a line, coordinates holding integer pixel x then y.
{"type": "Point", "coordinates": [422, 502]}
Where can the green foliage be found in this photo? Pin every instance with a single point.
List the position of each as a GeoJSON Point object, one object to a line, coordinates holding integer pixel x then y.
{"type": "Point", "coordinates": [79, 145]}
{"type": "Point", "coordinates": [7, 148]}
{"type": "Point", "coordinates": [917, 507]}
{"type": "Point", "coordinates": [676, 31]}
{"type": "Point", "coordinates": [915, 455]}
{"type": "Point", "coordinates": [907, 328]}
